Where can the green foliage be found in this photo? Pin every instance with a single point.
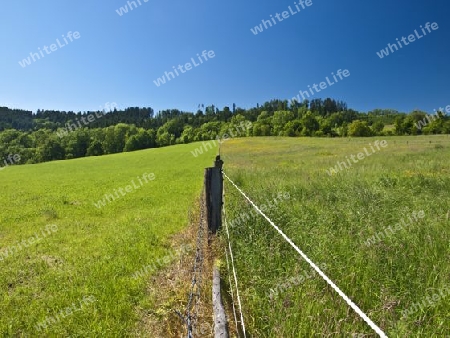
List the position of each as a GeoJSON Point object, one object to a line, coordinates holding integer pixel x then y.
{"type": "Point", "coordinates": [359, 128]}
{"type": "Point", "coordinates": [377, 127]}
{"type": "Point", "coordinates": [51, 150]}
{"type": "Point", "coordinates": [142, 140]}
{"type": "Point", "coordinates": [33, 137]}
{"type": "Point", "coordinates": [95, 149]}
{"type": "Point", "coordinates": [280, 120]}
{"type": "Point", "coordinates": [310, 124]}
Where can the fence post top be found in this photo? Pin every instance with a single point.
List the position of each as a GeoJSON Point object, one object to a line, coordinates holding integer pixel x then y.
{"type": "Point", "coordinates": [218, 163]}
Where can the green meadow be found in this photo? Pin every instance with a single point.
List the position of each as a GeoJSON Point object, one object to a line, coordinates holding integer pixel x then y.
{"type": "Point", "coordinates": [59, 252]}
{"type": "Point", "coordinates": [400, 278]}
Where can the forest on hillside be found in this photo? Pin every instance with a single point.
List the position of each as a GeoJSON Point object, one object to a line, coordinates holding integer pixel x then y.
{"type": "Point", "coordinates": [56, 135]}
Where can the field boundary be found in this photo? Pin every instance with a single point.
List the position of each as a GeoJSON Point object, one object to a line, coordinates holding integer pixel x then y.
{"type": "Point", "coordinates": [213, 213]}
{"type": "Point", "coordinates": [210, 222]}
{"type": "Point", "coordinates": [191, 313]}
{"type": "Point", "coordinates": [310, 262]}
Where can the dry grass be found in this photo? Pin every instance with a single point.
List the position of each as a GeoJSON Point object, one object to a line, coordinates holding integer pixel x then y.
{"type": "Point", "coordinates": [168, 290]}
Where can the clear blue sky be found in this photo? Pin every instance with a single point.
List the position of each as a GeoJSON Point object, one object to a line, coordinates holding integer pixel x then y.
{"type": "Point", "coordinates": [117, 58]}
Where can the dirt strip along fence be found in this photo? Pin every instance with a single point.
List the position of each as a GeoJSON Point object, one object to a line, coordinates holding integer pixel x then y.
{"type": "Point", "coordinates": [210, 223]}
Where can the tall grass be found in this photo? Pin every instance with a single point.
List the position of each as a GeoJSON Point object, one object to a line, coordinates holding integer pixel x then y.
{"type": "Point", "coordinates": [331, 218]}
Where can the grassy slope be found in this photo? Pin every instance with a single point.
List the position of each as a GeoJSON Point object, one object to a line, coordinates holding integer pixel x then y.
{"type": "Point", "coordinates": [330, 218]}
{"type": "Point", "coordinates": [94, 252]}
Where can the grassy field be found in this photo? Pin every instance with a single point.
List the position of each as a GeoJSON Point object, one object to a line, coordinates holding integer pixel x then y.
{"type": "Point", "coordinates": [400, 278]}
{"type": "Point", "coordinates": [59, 252]}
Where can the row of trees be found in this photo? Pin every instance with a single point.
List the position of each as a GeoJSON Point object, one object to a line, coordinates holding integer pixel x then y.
{"type": "Point", "coordinates": [54, 135]}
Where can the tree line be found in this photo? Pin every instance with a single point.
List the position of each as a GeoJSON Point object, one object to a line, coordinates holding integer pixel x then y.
{"type": "Point", "coordinates": [56, 135]}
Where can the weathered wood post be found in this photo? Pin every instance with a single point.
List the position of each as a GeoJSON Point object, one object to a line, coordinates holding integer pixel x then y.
{"type": "Point", "coordinates": [213, 197]}
{"type": "Point", "coordinates": [214, 190]}
{"type": "Point", "coordinates": [220, 318]}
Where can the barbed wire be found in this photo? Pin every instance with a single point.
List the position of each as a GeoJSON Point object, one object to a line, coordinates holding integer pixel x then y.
{"type": "Point", "coordinates": [190, 318]}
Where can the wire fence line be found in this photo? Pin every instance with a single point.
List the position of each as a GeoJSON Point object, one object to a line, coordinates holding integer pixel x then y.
{"type": "Point", "coordinates": [191, 315]}
{"type": "Point", "coordinates": [309, 261]}
{"type": "Point", "coordinates": [232, 293]}
{"type": "Point", "coordinates": [234, 274]}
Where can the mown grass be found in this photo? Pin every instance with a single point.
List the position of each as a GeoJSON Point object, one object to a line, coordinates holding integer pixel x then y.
{"type": "Point", "coordinates": [94, 252]}
{"type": "Point", "coordinates": [330, 218]}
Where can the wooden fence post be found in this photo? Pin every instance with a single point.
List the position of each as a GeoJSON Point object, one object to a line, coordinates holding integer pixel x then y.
{"type": "Point", "coordinates": [213, 197]}
{"type": "Point", "coordinates": [220, 318]}
{"type": "Point", "coordinates": [213, 191]}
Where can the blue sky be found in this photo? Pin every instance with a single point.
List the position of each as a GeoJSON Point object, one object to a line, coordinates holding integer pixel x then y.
{"type": "Point", "coordinates": [117, 58]}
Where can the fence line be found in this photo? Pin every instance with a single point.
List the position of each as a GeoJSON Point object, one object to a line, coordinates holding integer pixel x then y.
{"type": "Point", "coordinates": [234, 272]}
{"type": "Point", "coordinates": [189, 318]}
{"type": "Point", "coordinates": [232, 293]}
{"type": "Point", "coordinates": [313, 265]}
